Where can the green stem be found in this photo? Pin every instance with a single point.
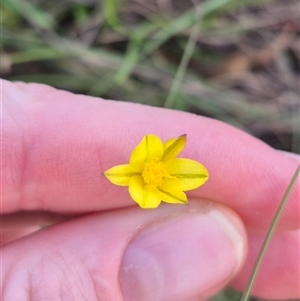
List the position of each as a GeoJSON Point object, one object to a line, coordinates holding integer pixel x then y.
{"type": "Point", "coordinates": [269, 235]}
{"type": "Point", "coordinates": [188, 52]}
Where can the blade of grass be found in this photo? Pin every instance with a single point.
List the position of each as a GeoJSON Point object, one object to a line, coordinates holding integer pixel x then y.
{"type": "Point", "coordinates": [211, 6]}
{"type": "Point", "coordinates": [200, 12]}
{"type": "Point", "coordinates": [71, 82]}
{"type": "Point", "coordinates": [188, 52]}
{"type": "Point", "coordinates": [182, 23]}
{"type": "Point", "coordinates": [167, 31]}
{"type": "Point", "coordinates": [110, 10]}
{"type": "Point", "coordinates": [139, 46]}
{"type": "Point", "coordinates": [36, 54]}
{"type": "Point", "coordinates": [133, 51]}
{"type": "Point", "coordinates": [36, 17]}
{"type": "Point", "coordinates": [269, 235]}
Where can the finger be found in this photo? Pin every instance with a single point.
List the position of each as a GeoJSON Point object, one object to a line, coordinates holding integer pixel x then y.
{"type": "Point", "coordinates": [279, 275]}
{"type": "Point", "coordinates": [173, 253]}
{"type": "Point", "coordinates": [62, 143]}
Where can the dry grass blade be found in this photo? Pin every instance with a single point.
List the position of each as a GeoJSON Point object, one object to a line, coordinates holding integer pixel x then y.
{"type": "Point", "coordinates": [269, 235]}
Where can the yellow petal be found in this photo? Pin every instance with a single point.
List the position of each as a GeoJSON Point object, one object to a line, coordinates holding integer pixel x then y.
{"type": "Point", "coordinates": [171, 183]}
{"type": "Point", "coordinates": [171, 192]}
{"type": "Point", "coordinates": [173, 147]}
{"type": "Point", "coordinates": [190, 173]}
{"type": "Point", "coordinates": [150, 148]}
{"type": "Point", "coordinates": [145, 198]}
{"type": "Point", "coordinates": [120, 174]}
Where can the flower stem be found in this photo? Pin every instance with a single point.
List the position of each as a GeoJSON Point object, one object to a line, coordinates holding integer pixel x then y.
{"type": "Point", "coordinates": [269, 235]}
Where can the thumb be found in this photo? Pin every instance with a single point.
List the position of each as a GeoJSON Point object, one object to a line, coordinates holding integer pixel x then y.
{"type": "Point", "coordinates": [171, 253]}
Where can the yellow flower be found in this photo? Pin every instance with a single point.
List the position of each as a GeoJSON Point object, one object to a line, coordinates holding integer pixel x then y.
{"type": "Point", "coordinates": [154, 174]}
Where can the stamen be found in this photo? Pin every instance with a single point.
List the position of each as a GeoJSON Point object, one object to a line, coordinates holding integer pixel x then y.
{"type": "Point", "coordinates": [153, 173]}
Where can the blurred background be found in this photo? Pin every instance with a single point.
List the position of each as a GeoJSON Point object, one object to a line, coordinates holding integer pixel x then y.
{"type": "Point", "coordinates": [237, 61]}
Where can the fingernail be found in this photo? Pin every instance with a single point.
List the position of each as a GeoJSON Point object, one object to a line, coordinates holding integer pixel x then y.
{"type": "Point", "coordinates": [181, 257]}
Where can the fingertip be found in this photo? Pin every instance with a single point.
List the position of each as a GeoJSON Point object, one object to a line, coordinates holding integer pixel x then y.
{"type": "Point", "coordinates": [194, 253]}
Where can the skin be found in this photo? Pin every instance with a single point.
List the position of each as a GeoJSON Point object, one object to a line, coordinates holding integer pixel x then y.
{"type": "Point", "coordinates": [55, 147]}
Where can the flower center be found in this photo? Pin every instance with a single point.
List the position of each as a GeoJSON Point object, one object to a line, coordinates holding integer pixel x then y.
{"type": "Point", "coordinates": [153, 173]}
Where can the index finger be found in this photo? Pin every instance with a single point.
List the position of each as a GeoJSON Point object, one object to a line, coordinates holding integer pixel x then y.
{"type": "Point", "coordinates": [56, 145]}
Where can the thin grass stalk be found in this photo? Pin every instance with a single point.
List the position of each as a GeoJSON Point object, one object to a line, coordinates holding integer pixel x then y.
{"type": "Point", "coordinates": [246, 294]}
{"type": "Point", "coordinates": [188, 52]}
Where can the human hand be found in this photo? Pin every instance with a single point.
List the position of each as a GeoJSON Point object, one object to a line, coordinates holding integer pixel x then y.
{"type": "Point", "coordinates": [55, 147]}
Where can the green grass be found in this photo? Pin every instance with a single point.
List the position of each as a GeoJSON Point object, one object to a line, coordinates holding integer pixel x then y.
{"type": "Point", "coordinates": [111, 51]}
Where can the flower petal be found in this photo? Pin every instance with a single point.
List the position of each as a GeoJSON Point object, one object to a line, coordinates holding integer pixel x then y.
{"type": "Point", "coordinates": [190, 173]}
{"type": "Point", "coordinates": [171, 184]}
{"type": "Point", "coordinates": [173, 147]}
{"type": "Point", "coordinates": [120, 174]}
{"type": "Point", "coordinates": [145, 198]}
{"type": "Point", "coordinates": [148, 149]}
{"type": "Point", "coordinates": [171, 192]}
